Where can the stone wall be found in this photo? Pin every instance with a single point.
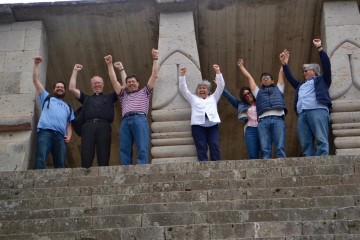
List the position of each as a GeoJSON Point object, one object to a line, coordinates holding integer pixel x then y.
{"type": "Point", "coordinates": [19, 43]}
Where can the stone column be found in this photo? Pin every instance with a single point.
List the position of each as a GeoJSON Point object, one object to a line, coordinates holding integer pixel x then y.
{"type": "Point", "coordinates": [171, 131]}
{"type": "Point", "coordinates": [341, 31]}
{"type": "Point", "coordinates": [19, 43]}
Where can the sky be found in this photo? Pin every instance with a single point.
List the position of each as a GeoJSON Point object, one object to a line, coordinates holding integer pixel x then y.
{"type": "Point", "coordinates": [30, 1]}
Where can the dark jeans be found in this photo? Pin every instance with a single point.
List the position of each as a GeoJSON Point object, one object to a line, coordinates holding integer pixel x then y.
{"type": "Point", "coordinates": [95, 135]}
{"type": "Point", "coordinates": [50, 140]}
{"type": "Point", "coordinates": [204, 137]}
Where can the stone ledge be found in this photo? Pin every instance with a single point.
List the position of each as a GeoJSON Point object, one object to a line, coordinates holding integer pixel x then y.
{"type": "Point", "coordinates": [16, 111]}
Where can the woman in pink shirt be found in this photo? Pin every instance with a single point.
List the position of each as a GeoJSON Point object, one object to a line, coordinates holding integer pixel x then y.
{"type": "Point", "coordinates": [246, 108]}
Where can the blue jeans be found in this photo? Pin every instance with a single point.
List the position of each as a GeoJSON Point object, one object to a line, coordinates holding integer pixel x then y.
{"type": "Point", "coordinates": [50, 140]}
{"type": "Point", "coordinates": [204, 137]}
{"type": "Point", "coordinates": [313, 125]}
{"type": "Point", "coordinates": [134, 129]}
{"type": "Point", "coordinates": [252, 142]}
{"type": "Point", "coordinates": [271, 129]}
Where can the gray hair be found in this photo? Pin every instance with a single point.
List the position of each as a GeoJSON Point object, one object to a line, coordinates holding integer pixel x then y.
{"type": "Point", "coordinates": [205, 83]}
{"type": "Point", "coordinates": [313, 66]}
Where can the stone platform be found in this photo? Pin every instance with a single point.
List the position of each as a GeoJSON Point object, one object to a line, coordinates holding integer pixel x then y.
{"type": "Point", "coordinates": [293, 198]}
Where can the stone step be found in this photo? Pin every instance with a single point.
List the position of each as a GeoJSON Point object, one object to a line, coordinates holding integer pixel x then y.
{"type": "Point", "coordinates": [180, 196]}
{"type": "Point", "coordinates": [281, 230]}
{"type": "Point", "coordinates": [295, 198]}
{"type": "Point", "coordinates": [189, 212]}
{"type": "Point", "coordinates": [274, 166]}
{"type": "Point", "coordinates": [69, 210]}
{"type": "Point", "coordinates": [51, 178]}
{"type": "Point", "coordinates": [13, 190]}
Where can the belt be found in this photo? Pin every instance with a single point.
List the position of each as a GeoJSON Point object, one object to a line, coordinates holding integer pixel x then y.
{"type": "Point", "coordinates": [95, 120]}
{"type": "Point", "coordinates": [274, 116]}
{"type": "Point", "coordinates": [128, 114]}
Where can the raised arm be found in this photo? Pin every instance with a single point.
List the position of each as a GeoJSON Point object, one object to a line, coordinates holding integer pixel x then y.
{"type": "Point", "coordinates": [247, 75]}
{"type": "Point", "coordinates": [72, 85]}
{"type": "Point", "coordinates": [220, 83]}
{"type": "Point", "coordinates": [116, 85]}
{"type": "Point", "coordinates": [123, 74]}
{"type": "Point", "coordinates": [281, 78]}
{"type": "Point", "coordinates": [183, 86]}
{"type": "Point", "coordinates": [38, 86]}
{"type": "Point", "coordinates": [232, 100]}
{"type": "Point", "coordinates": [155, 68]}
{"type": "Point", "coordinates": [284, 59]}
{"type": "Point", "coordinates": [325, 61]}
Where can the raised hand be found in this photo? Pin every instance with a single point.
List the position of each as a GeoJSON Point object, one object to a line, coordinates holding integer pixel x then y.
{"type": "Point", "coordinates": [118, 65]}
{"type": "Point", "coordinates": [216, 68]}
{"type": "Point", "coordinates": [37, 60]}
{"type": "Point", "coordinates": [182, 71]}
{"type": "Point", "coordinates": [317, 42]}
{"type": "Point", "coordinates": [284, 57]}
{"type": "Point", "coordinates": [240, 63]}
{"type": "Point", "coordinates": [155, 53]}
{"type": "Point", "coordinates": [78, 67]}
{"type": "Point", "coordinates": [108, 59]}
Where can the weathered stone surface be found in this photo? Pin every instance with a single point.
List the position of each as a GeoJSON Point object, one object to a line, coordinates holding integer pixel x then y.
{"type": "Point", "coordinates": [341, 25]}
{"type": "Point", "coordinates": [171, 112]}
{"type": "Point", "coordinates": [120, 221]}
{"type": "Point", "coordinates": [20, 42]}
{"type": "Point", "coordinates": [200, 231]}
{"type": "Point", "coordinates": [320, 197]}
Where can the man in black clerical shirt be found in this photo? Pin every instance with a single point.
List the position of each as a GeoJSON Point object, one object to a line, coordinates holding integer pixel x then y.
{"type": "Point", "coordinates": [98, 114]}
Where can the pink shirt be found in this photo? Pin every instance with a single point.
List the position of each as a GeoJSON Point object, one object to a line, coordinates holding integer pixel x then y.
{"type": "Point", "coordinates": [252, 117]}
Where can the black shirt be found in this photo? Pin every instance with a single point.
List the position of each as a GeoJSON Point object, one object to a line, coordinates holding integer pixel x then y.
{"type": "Point", "coordinates": [98, 106]}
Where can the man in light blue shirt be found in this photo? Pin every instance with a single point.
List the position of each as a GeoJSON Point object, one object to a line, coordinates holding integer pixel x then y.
{"type": "Point", "coordinates": [54, 129]}
{"type": "Point", "coordinates": [312, 103]}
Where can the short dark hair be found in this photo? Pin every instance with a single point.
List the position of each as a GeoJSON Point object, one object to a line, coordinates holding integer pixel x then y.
{"type": "Point", "coordinates": [242, 98]}
{"type": "Point", "coordinates": [132, 75]}
{"type": "Point", "coordinates": [62, 82]}
{"type": "Point", "coordinates": [266, 74]}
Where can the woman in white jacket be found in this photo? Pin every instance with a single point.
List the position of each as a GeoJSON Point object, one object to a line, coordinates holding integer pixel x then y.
{"type": "Point", "coordinates": [204, 114]}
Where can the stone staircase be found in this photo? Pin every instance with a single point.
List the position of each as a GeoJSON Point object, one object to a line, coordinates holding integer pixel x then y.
{"type": "Point", "coordinates": [293, 198]}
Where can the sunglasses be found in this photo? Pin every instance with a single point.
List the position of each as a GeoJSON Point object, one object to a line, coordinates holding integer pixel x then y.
{"type": "Point", "coordinates": [247, 94]}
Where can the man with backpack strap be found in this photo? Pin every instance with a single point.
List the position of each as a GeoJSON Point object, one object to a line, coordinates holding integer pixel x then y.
{"type": "Point", "coordinates": [54, 129]}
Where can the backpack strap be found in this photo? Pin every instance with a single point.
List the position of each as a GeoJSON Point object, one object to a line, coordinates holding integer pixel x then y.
{"type": "Point", "coordinates": [47, 99]}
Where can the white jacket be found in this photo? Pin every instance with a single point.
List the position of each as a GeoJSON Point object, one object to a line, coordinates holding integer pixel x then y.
{"type": "Point", "coordinates": [200, 106]}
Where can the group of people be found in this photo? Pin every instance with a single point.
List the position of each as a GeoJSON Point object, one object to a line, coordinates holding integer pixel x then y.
{"type": "Point", "coordinates": [54, 129]}
{"type": "Point", "coordinates": [262, 108]}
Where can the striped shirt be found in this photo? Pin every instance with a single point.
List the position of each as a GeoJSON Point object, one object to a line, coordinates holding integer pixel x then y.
{"type": "Point", "coordinates": [135, 101]}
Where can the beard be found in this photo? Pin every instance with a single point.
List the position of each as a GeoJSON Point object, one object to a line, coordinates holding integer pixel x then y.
{"type": "Point", "coordinates": [61, 96]}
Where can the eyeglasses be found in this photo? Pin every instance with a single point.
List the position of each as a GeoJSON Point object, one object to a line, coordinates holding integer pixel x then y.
{"type": "Point", "coordinates": [97, 83]}
{"type": "Point", "coordinates": [247, 94]}
{"type": "Point", "coordinates": [306, 70]}
{"type": "Point", "coordinates": [265, 78]}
